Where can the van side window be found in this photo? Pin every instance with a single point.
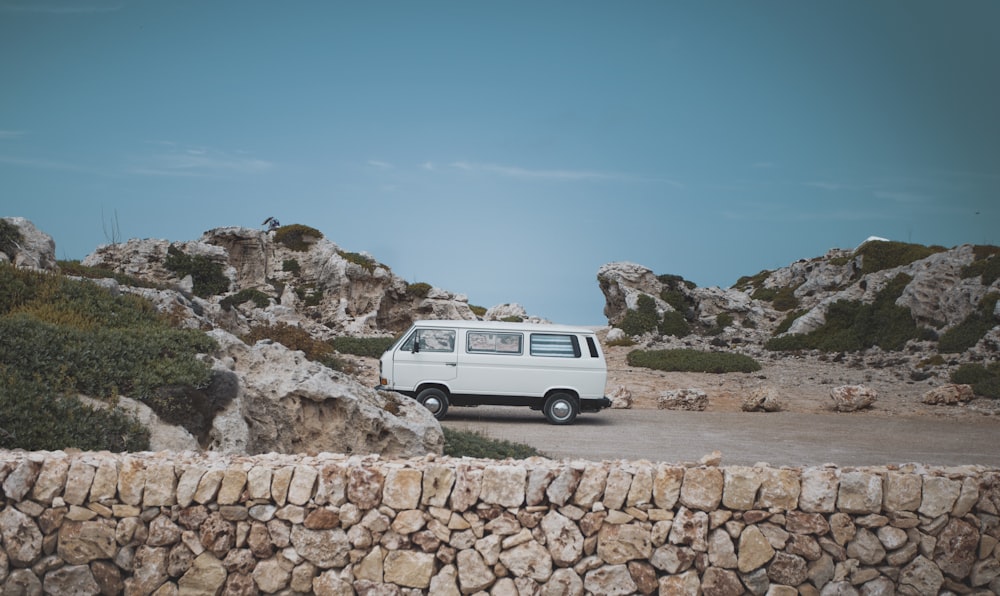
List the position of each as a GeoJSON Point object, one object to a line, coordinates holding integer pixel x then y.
{"type": "Point", "coordinates": [431, 340]}
{"type": "Point", "coordinates": [559, 346]}
{"type": "Point", "coordinates": [485, 342]}
{"type": "Point", "coordinates": [592, 345]}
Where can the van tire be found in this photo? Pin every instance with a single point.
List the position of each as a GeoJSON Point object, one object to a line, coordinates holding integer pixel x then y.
{"type": "Point", "coordinates": [560, 408]}
{"type": "Point", "coordinates": [435, 401]}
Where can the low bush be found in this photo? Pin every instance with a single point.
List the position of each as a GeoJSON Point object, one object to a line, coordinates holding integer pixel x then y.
{"type": "Point", "coordinates": [465, 443]}
{"type": "Point", "coordinates": [10, 238]}
{"type": "Point", "coordinates": [642, 319]}
{"type": "Point", "coordinates": [297, 237]}
{"type": "Point", "coordinates": [34, 418]}
{"type": "Point", "coordinates": [309, 294]}
{"type": "Point", "coordinates": [296, 338]}
{"type": "Point", "coordinates": [852, 325]}
{"type": "Point", "coordinates": [75, 268]}
{"type": "Point", "coordinates": [752, 281]}
{"type": "Point", "coordinates": [479, 311]}
{"type": "Point", "coordinates": [986, 264]}
{"type": "Point", "coordinates": [259, 299]}
{"type": "Point", "coordinates": [967, 334]}
{"type": "Point", "coordinates": [985, 380]}
{"type": "Point", "coordinates": [879, 255]}
{"type": "Point", "coordinates": [684, 360]}
{"type": "Point", "coordinates": [366, 263]}
{"type": "Point", "coordinates": [370, 347]}
{"type": "Point", "coordinates": [419, 290]}
{"type": "Point", "coordinates": [291, 266]}
{"type": "Point", "coordinates": [675, 324]}
{"type": "Point", "coordinates": [208, 276]}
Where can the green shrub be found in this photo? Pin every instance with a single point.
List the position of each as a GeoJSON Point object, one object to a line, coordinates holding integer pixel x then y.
{"type": "Point", "coordinates": [32, 417]}
{"type": "Point", "coordinates": [985, 380]}
{"type": "Point", "coordinates": [297, 237]}
{"type": "Point", "coordinates": [986, 264]}
{"type": "Point", "coordinates": [418, 290]}
{"type": "Point", "coordinates": [692, 361]}
{"type": "Point", "coordinates": [642, 319]}
{"type": "Point", "coordinates": [879, 255]}
{"type": "Point", "coordinates": [786, 323]}
{"type": "Point", "coordinates": [366, 263]}
{"type": "Point", "coordinates": [309, 294]}
{"type": "Point", "coordinates": [967, 334]}
{"type": "Point", "coordinates": [479, 311]}
{"type": "Point", "coordinates": [10, 238]}
{"type": "Point", "coordinates": [208, 276]}
{"type": "Point", "coordinates": [296, 338]}
{"type": "Point", "coordinates": [852, 325]}
{"type": "Point", "coordinates": [625, 341]}
{"type": "Point", "coordinates": [465, 443]}
{"type": "Point", "coordinates": [77, 269]}
{"type": "Point", "coordinates": [674, 323]}
{"type": "Point", "coordinates": [512, 319]}
{"type": "Point", "coordinates": [259, 299]}
{"type": "Point", "coordinates": [752, 281]}
{"type": "Point", "coordinates": [371, 347]}
{"type": "Point", "coordinates": [291, 266]}
{"type": "Point", "coordinates": [782, 299]}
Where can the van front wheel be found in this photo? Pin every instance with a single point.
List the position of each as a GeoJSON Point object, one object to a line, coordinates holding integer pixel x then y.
{"type": "Point", "coordinates": [434, 400]}
{"type": "Point", "coordinates": [560, 408]}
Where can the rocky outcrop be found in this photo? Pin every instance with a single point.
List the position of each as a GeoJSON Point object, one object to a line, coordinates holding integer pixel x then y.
{"type": "Point", "coordinates": [322, 288]}
{"type": "Point", "coordinates": [34, 249]}
{"type": "Point", "coordinates": [287, 404]}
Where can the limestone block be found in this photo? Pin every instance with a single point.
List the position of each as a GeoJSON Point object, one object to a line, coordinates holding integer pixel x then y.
{"type": "Point", "coordinates": [271, 575]}
{"type": "Point", "coordinates": [504, 485]}
{"type": "Point", "coordinates": [332, 486]}
{"type": "Point", "coordinates": [473, 574]}
{"type": "Point", "coordinates": [740, 486]}
{"type": "Point", "coordinates": [667, 486]}
{"type": "Point", "coordinates": [322, 548]}
{"type": "Point", "coordinates": [819, 490]}
{"type": "Point", "coordinates": [866, 548]}
{"type": "Point", "coordinates": [402, 489]}
{"type": "Point", "coordinates": [105, 485]}
{"type": "Point", "coordinates": [78, 481]}
{"type": "Point", "coordinates": [561, 489]}
{"type": "Point", "coordinates": [922, 576]}
{"type": "Point", "coordinates": [259, 482]}
{"type": "Point", "coordinates": [437, 483]}
{"type": "Point", "coordinates": [206, 576]}
{"type": "Point", "coordinates": [529, 560]}
{"type": "Point", "coordinates": [610, 580]}
{"type": "Point", "coordinates": [702, 488]}
{"type": "Point", "coordinates": [754, 550]}
{"type": "Point", "coordinates": [716, 581]}
{"type": "Point", "coordinates": [149, 570]}
{"type": "Point", "coordinates": [468, 485]}
{"type": "Point", "coordinates": [685, 584]}
{"type": "Point", "coordinates": [407, 522]}
{"type": "Point", "coordinates": [234, 479]}
{"type": "Point", "coordinates": [564, 582]}
{"type": "Point", "coordinates": [445, 582]}
{"type": "Point", "coordinates": [641, 489]}
{"type": "Point", "coordinates": [22, 540]}
{"type": "Point", "coordinates": [364, 486]}
{"type": "Point", "coordinates": [619, 544]}
{"type": "Point", "coordinates": [300, 490]}
{"type": "Point", "coordinates": [208, 486]}
{"type": "Point", "coordinates": [955, 551]}
{"type": "Point", "coordinates": [161, 485]}
{"type": "Point", "coordinates": [72, 579]}
{"type": "Point", "coordinates": [939, 495]}
{"type": "Point", "coordinates": [851, 398]}
{"type": "Point", "coordinates": [860, 492]}
{"type": "Point", "coordinates": [51, 480]}
{"type": "Point", "coordinates": [616, 488]}
{"type": "Point", "coordinates": [721, 550]}
{"type": "Point", "coordinates": [967, 498]}
{"type": "Point", "coordinates": [690, 528]}
{"type": "Point", "coordinates": [591, 486]}
{"type": "Point", "coordinates": [563, 539]}
{"type": "Point", "coordinates": [409, 569]}
{"type": "Point", "coordinates": [281, 479]}
{"type": "Point", "coordinates": [902, 492]}
{"type": "Point", "coordinates": [780, 489]}
{"type": "Point", "coordinates": [131, 481]}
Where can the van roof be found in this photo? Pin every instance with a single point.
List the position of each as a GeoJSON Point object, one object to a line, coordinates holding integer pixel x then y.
{"type": "Point", "coordinates": [503, 326]}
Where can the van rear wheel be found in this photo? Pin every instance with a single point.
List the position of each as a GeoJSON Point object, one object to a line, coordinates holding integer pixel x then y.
{"type": "Point", "coordinates": [435, 401]}
{"type": "Point", "coordinates": [560, 408]}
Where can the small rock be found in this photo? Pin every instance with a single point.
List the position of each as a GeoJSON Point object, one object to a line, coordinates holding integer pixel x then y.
{"type": "Point", "coordinates": [693, 400]}
{"type": "Point", "coordinates": [851, 398]}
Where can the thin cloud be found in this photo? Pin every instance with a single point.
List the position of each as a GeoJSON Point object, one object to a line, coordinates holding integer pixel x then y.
{"type": "Point", "coordinates": [382, 165]}
{"type": "Point", "coordinates": [11, 134]}
{"type": "Point", "coordinates": [524, 173]}
{"type": "Point", "coordinates": [47, 164]}
{"type": "Point", "coordinates": [900, 196]}
{"type": "Point", "coordinates": [198, 161]}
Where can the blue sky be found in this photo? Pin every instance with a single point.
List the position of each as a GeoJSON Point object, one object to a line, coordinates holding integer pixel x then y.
{"type": "Point", "coordinates": [506, 150]}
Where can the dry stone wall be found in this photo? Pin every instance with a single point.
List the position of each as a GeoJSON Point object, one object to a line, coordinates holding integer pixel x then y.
{"type": "Point", "coordinates": [168, 523]}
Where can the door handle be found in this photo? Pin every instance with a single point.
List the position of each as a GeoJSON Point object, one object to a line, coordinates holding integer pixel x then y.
{"type": "Point", "coordinates": [451, 364]}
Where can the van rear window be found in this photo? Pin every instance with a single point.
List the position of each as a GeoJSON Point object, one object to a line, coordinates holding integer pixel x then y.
{"type": "Point", "coordinates": [485, 342]}
{"type": "Point", "coordinates": [559, 346]}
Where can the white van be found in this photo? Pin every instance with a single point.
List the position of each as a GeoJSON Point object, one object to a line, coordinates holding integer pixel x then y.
{"type": "Point", "coordinates": [554, 368]}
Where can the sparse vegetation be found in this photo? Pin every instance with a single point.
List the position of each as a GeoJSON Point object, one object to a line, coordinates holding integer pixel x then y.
{"type": "Point", "coordinates": [465, 443]}
{"type": "Point", "coordinates": [642, 319]}
{"type": "Point", "coordinates": [63, 337]}
{"type": "Point", "coordinates": [852, 325]}
{"type": "Point", "coordinates": [75, 268]}
{"type": "Point", "coordinates": [309, 294]}
{"type": "Point", "coordinates": [259, 299]}
{"type": "Point", "coordinates": [692, 361]}
{"type": "Point", "coordinates": [366, 263]}
{"type": "Point", "coordinates": [987, 264]}
{"type": "Point", "coordinates": [371, 347]}
{"type": "Point", "coordinates": [674, 323]}
{"type": "Point", "coordinates": [967, 334]}
{"type": "Point", "coordinates": [208, 276]}
{"type": "Point", "coordinates": [10, 237]}
{"type": "Point", "coordinates": [291, 266]}
{"type": "Point", "coordinates": [985, 379]}
{"type": "Point", "coordinates": [879, 255]}
{"type": "Point", "coordinates": [752, 281]}
{"type": "Point", "coordinates": [418, 290]}
{"type": "Point", "coordinates": [296, 338]}
{"type": "Point", "coordinates": [479, 311]}
{"type": "Point", "coordinates": [297, 237]}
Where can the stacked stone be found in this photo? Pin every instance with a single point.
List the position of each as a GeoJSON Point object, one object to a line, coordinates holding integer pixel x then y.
{"type": "Point", "coordinates": [166, 523]}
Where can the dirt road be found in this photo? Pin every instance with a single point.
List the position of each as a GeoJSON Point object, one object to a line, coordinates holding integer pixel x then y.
{"type": "Point", "coordinates": [781, 438]}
